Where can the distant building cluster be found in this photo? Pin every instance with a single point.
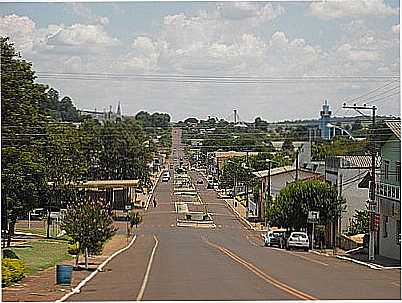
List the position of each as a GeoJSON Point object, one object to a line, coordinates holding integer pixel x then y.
{"type": "Point", "coordinates": [103, 116]}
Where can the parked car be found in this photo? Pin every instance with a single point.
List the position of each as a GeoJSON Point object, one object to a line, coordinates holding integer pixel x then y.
{"type": "Point", "coordinates": [165, 176]}
{"type": "Point", "coordinates": [298, 239]}
{"type": "Point", "coordinates": [200, 181]}
{"type": "Point", "coordinates": [278, 239]}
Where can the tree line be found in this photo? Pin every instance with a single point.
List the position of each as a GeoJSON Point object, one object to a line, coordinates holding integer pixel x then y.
{"type": "Point", "coordinates": [43, 153]}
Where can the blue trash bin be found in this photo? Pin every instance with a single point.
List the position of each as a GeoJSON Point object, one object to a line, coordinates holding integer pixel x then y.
{"type": "Point", "coordinates": [64, 274]}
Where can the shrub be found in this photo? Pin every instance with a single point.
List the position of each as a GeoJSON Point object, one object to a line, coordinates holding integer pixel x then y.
{"type": "Point", "coordinates": [12, 270]}
{"type": "Point", "coordinates": [9, 254]}
{"type": "Point", "coordinates": [73, 248]}
{"type": "Point", "coordinates": [135, 219]}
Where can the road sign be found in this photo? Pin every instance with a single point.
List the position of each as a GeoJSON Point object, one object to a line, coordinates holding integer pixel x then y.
{"type": "Point", "coordinates": [313, 216]}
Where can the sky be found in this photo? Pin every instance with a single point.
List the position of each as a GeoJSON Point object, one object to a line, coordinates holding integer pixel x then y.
{"type": "Point", "coordinates": [344, 43]}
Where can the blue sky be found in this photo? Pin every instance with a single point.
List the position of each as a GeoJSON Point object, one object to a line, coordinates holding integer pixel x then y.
{"type": "Point", "coordinates": [263, 39]}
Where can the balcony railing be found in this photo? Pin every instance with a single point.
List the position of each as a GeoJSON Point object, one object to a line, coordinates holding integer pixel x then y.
{"type": "Point", "coordinates": [388, 191]}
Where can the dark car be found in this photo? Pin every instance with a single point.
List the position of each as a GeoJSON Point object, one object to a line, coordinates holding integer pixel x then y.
{"type": "Point", "coordinates": [278, 239]}
{"type": "Point", "coordinates": [200, 181]}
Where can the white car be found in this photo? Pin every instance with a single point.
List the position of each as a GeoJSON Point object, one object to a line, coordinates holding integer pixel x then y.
{"type": "Point", "coordinates": [298, 239]}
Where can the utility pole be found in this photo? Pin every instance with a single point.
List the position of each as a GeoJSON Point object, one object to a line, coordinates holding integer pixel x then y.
{"type": "Point", "coordinates": [269, 190]}
{"type": "Point", "coordinates": [235, 116]}
{"type": "Point", "coordinates": [297, 165]}
{"type": "Point", "coordinates": [372, 203]}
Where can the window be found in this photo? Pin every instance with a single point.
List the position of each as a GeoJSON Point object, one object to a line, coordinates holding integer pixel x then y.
{"type": "Point", "coordinates": [385, 225]}
{"type": "Point", "coordinates": [398, 171]}
{"type": "Point", "coordinates": [386, 169]}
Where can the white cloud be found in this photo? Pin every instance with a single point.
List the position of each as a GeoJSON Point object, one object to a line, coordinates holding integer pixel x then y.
{"type": "Point", "coordinates": [82, 10]}
{"type": "Point", "coordinates": [248, 10]}
{"type": "Point", "coordinates": [333, 9]}
{"type": "Point", "coordinates": [348, 52]}
{"type": "Point", "coordinates": [20, 29]}
{"type": "Point", "coordinates": [82, 35]}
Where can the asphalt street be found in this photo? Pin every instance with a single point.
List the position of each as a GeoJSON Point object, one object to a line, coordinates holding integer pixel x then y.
{"type": "Point", "coordinates": [228, 262]}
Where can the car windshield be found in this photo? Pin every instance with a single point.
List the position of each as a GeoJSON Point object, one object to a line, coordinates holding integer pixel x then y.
{"type": "Point", "coordinates": [299, 235]}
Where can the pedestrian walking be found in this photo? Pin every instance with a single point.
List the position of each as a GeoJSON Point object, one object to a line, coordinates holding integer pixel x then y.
{"type": "Point", "coordinates": [155, 204]}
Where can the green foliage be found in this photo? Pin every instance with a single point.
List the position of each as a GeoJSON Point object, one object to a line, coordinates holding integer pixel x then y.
{"type": "Point", "coordinates": [9, 254]}
{"type": "Point", "coordinates": [154, 120]}
{"type": "Point", "coordinates": [359, 224]}
{"type": "Point", "coordinates": [73, 248]}
{"type": "Point", "coordinates": [339, 146]}
{"type": "Point", "coordinates": [89, 224]}
{"type": "Point", "coordinates": [42, 254]}
{"type": "Point", "coordinates": [135, 218]}
{"type": "Point", "coordinates": [291, 206]}
{"type": "Point", "coordinates": [12, 270]}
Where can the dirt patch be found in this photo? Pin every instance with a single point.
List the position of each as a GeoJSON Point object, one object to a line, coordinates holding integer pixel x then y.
{"type": "Point", "coordinates": [42, 286]}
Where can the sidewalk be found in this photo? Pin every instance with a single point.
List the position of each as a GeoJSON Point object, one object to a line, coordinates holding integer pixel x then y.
{"type": "Point", "coordinates": [381, 261]}
{"type": "Point", "coordinates": [42, 286]}
{"type": "Point", "coordinates": [241, 211]}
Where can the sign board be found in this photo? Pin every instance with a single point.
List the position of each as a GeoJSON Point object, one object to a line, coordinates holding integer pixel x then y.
{"type": "Point", "coordinates": [313, 216]}
{"type": "Point", "coordinates": [128, 207]}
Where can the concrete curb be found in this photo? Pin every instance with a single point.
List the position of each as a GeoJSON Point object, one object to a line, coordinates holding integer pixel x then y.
{"type": "Point", "coordinates": [77, 289]}
{"type": "Point", "coordinates": [241, 218]}
{"type": "Point", "coordinates": [372, 266]}
{"type": "Point", "coordinates": [319, 253]}
{"type": "Point", "coordinates": [151, 193]}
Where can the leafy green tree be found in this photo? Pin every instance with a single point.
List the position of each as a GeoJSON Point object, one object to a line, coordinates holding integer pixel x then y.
{"type": "Point", "coordinates": [359, 224]}
{"type": "Point", "coordinates": [135, 219]}
{"type": "Point", "coordinates": [22, 120]}
{"type": "Point", "coordinates": [291, 206]}
{"type": "Point", "coordinates": [89, 225]}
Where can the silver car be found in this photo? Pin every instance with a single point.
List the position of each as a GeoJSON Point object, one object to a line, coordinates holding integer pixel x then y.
{"type": "Point", "coordinates": [298, 239]}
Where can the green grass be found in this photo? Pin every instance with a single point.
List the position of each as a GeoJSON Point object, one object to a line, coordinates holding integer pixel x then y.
{"type": "Point", "coordinates": [42, 254]}
{"type": "Point", "coordinates": [41, 231]}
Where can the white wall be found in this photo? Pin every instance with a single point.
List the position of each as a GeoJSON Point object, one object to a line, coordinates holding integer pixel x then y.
{"type": "Point", "coordinates": [388, 245]}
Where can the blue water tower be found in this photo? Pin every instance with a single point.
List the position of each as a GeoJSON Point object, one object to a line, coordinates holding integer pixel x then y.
{"type": "Point", "coordinates": [325, 114]}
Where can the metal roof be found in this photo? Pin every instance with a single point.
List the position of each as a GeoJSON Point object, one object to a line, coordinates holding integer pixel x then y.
{"type": "Point", "coordinates": [274, 171]}
{"type": "Point", "coordinates": [358, 161]}
{"type": "Point", "coordinates": [395, 127]}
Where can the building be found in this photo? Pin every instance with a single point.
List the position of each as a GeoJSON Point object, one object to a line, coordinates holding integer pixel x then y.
{"type": "Point", "coordinates": [325, 114]}
{"type": "Point", "coordinates": [220, 158]}
{"type": "Point", "coordinates": [103, 116]}
{"type": "Point", "coordinates": [280, 177]}
{"type": "Point", "coordinates": [388, 191]}
{"type": "Point", "coordinates": [346, 173]}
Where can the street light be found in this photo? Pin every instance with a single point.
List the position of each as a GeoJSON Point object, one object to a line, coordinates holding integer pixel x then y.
{"type": "Point", "coordinates": [329, 125]}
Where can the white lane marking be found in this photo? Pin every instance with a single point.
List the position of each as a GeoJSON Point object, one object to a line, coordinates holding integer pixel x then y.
{"type": "Point", "coordinates": [359, 262]}
{"type": "Point", "coordinates": [145, 281]}
{"type": "Point", "coordinates": [77, 289]}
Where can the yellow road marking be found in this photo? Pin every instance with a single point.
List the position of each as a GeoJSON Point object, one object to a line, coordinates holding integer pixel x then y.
{"type": "Point", "coordinates": [290, 290]}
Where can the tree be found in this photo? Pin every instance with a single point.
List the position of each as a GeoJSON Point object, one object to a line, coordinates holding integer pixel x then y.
{"type": "Point", "coordinates": [291, 206]}
{"type": "Point", "coordinates": [135, 219]}
{"type": "Point", "coordinates": [359, 224]}
{"type": "Point", "coordinates": [89, 225]}
{"type": "Point", "coordinates": [22, 118]}
{"type": "Point", "coordinates": [191, 121]}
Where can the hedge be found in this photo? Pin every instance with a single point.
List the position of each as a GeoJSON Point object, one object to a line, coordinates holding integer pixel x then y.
{"type": "Point", "coordinates": [9, 254]}
{"type": "Point", "coordinates": [12, 270]}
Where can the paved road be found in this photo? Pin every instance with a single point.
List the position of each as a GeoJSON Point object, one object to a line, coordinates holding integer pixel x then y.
{"type": "Point", "coordinates": [228, 262]}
